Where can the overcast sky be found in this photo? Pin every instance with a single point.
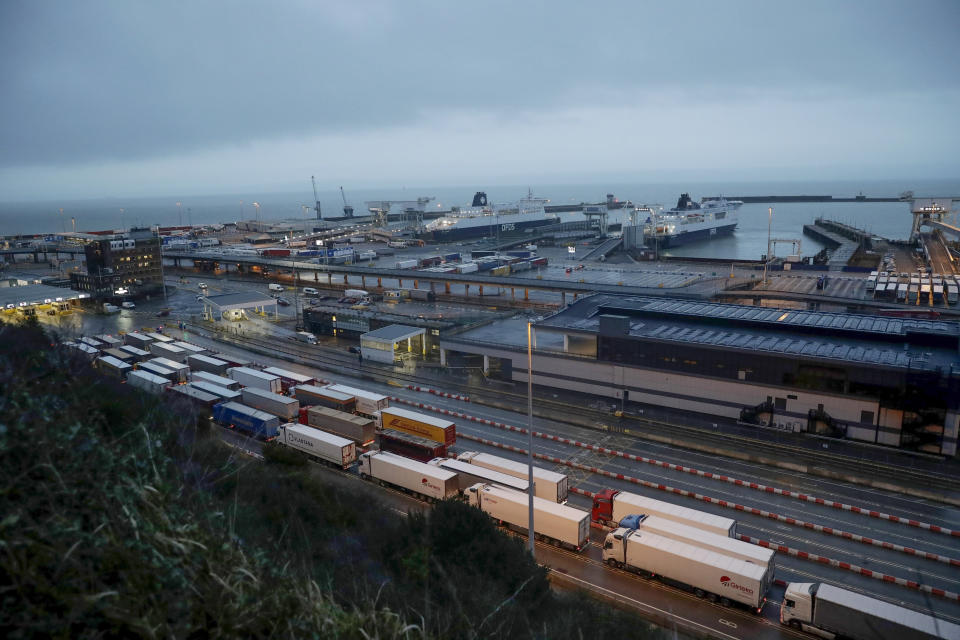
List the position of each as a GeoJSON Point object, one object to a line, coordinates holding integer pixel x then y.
{"type": "Point", "coordinates": [149, 98]}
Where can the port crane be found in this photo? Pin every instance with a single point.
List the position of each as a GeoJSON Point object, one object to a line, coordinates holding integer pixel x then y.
{"type": "Point", "coordinates": [347, 208]}
{"type": "Point", "coordinates": [316, 206]}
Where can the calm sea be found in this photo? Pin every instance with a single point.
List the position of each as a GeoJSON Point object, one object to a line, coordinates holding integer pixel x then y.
{"type": "Point", "coordinates": [891, 220]}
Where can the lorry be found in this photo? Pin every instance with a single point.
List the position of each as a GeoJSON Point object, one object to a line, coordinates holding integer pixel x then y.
{"type": "Point", "coordinates": [318, 444]}
{"type": "Point", "coordinates": [113, 367]}
{"type": "Point", "coordinates": [368, 403]}
{"type": "Point", "coordinates": [310, 395]}
{"type": "Point", "coordinates": [408, 446]}
{"type": "Point", "coordinates": [427, 481]}
{"type": "Point", "coordinates": [289, 379]}
{"type": "Point", "coordinates": [732, 547]}
{"type": "Point", "coordinates": [418, 424]}
{"type": "Point", "coordinates": [565, 525]}
{"type": "Point", "coordinates": [137, 340]}
{"type": "Point", "coordinates": [471, 474]}
{"type": "Point", "coordinates": [258, 424]}
{"type": "Point", "coordinates": [705, 572]}
{"type": "Point", "coordinates": [152, 367]}
{"type": "Point", "coordinates": [183, 370]}
{"type": "Point", "coordinates": [285, 407]}
{"type": "Point", "coordinates": [248, 377]}
{"type": "Point", "coordinates": [190, 348]}
{"type": "Point", "coordinates": [406, 264]}
{"type": "Point", "coordinates": [169, 351]}
{"type": "Point", "coordinates": [206, 363]}
{"type": "Point", "coordinates": [547, 484]}
{"type": "Point", "coordinates": [830, 612]}
{"type": "Point", "coordinates": [159, 337]}
{"type": "Point", "coordinates": [357, 428]}
{"type": "Point", "coordinates": [138, 354]}
{"type": "Point", "coordinates": [147, 381]}
{"type": "Point", "coordinates": [220, 381]}
{"type": "Point", "coordinates": [305, 336]}
{"type": "Point", "coordinates": [229, 395]}
{"type": "Point", "coordinates": [201, 400]}
{"type": "Point", "coordinates": [109, 340]}
{"type": "Point", "coordinates": [119, 354]}
{"type": "Point", "coordinates": [610, 506]}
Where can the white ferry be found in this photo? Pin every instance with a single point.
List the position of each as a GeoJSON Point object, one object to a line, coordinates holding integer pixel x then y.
{"type": "Point", "coordinates": [691, 222]}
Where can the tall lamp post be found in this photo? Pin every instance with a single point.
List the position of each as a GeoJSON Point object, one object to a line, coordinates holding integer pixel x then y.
{"type": "Point", "coordinates": [256, 205]}
{"type": "Point", "coordinates": [530, 534]}
{"type": "Point", "coordinates": [163, 282]}
{"type": "Point", "coordinates": [766, 260]}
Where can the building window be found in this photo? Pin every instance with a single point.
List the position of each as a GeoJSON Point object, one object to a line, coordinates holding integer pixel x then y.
{"type": "Point", "coordinates": [866, 417]}
{"type": "Point", "coordinates": [780, 404]}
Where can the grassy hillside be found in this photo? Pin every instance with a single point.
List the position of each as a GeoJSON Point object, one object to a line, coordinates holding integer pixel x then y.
{"type": "Point", "coordinates": [124, 515]}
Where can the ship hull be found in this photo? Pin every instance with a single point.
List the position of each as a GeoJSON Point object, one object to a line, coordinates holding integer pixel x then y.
{"type": "Point", "coordinates": [463, 232]}
{"type": "Point", "coordinates": [687, 237]}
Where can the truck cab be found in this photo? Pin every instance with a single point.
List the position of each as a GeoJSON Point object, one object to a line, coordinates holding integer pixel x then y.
{"type": "Point", "coordinates": [602, 510]}
{"type": "Point", "coordinates": [797, 607]}
{"type": "Point", "coordinates": [614, 547]}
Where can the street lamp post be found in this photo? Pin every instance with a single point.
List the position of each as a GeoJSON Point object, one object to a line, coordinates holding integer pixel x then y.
{"type": "Point", "coordinates": [766, 261]}
{"type": "Point", "coordinates": [530, 534]}
{"type": "Point", "coordinates": [256, 205]}
{"type": "Point", "coordinates": [163, 282]}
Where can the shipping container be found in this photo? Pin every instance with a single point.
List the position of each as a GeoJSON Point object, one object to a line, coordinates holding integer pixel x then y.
{"type": "Point", "coordinates": [228, 395]}
{"type": "Point", "coordinates": [220, 381]}
{"type": "Point", "coordinates": [289, 379]}
{"type": "Point", "coordinates": [829, 611]}
{"type": "Point", "coordinates": [138, 354]}
{"type": "Point", "coordinates": [408, 446]}
{"type": "Point", "coordinates": [287, 408]}
{"type": "Point", "coordinates": [253, 378]}
{"type": "Point", "coordinates": [432, 483]}
{"type": "Point", "coordinates": [611, 506]}
{"type": "Point", "coordinates": [207, 364]}
{"type": "Point", "coordinates": [318, 444]}
{"type": "Point", "coordinates": [275, 253]}
{"type": "Point", "coordinates": [691, 567]}
{"type": "Point", "coordinates": [548, 485]}
{"type": "Point", "coordinates": [357, 428]}
{"type": "Point", "coordinates": [470, 475]}
{"type": "Point", "coordinates": [138, 340]}
{"type": "Point", "coordinates": [310, 395]}
{"type": "Point", "coordinates": [252, 422]}
{"type": "Point", "coordinates": [113, 367]}
{"type": "Point", "coordinates": [557, 522]}
{"type": "Point", "coordinates": [422, 295]}
{"type": "Point", "coordinates": [148, 382]}
{"type": "Point", "coordinates": [169, 351]}
{"type": "Point", "coordinates": [368, 403]}
{"type": "Point", "coordinates": [451, 257]}
{"type": "Point", "coordinates": [418, 424]}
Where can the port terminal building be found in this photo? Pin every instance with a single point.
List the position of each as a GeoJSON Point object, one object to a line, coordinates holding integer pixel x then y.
{"type": "Point", "coordinates": [883, 380]}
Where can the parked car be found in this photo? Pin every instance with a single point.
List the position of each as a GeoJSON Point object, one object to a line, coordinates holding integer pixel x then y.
{"type": "Point", "coordinates": [202, 285]}
{"type": "Point", "coordinates": [127, 305]}
{"type": "Point", "coordinates": [283, 302]}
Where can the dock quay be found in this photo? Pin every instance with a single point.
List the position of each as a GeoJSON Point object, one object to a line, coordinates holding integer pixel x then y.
{"type": "Point", "coordinates": [843, 240]}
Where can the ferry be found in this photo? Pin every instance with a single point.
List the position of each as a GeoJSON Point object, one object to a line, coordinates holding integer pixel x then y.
{"type": "Point", "coordinates": [691, 222]}
{"type": "Point", "coordinates": [483, 219]}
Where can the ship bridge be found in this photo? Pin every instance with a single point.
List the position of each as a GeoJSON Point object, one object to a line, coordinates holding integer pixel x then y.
{"type": "Point", "coordinates": [936, 213]}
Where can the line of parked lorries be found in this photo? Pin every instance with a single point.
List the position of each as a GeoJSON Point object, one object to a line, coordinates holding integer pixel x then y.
{"type": "Point", "coordinates": [357, 429]}
{"type": "Point", "coordinates": [914, 288]}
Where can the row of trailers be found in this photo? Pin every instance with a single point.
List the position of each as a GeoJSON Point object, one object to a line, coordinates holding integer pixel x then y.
{"type": "Point", "coordinates": [915, 288]}
{"type": "Point", "coordinates": [356, 430]}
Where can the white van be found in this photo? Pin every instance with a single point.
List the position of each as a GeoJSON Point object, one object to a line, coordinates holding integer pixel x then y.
{"type": "Point", "coordinates": [310, 291]}
{"type": "Point", "coordinates": [275, 287]}
{"type": "Point", "coordinates": [306, 336]}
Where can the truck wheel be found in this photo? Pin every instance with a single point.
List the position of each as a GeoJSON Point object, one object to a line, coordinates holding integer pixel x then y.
{"type": "Point", "coordinates": [364, 476]}
{"type": "Point", "coordinates": [795, 624]}
{"type": "Point", "coordinates": [612, 562]}
{"type": "Point", "coordinates": [700, 593]}
{"type": "Point", "coordinates": [725, 602]}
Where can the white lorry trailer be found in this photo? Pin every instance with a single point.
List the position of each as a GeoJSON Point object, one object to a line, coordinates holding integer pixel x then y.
{"type": "Point", "coordinates": [229, 395]}
{"type": "Point", "coordinates": [357, 428]}
{"type": "Point", "coordinates": [252, 378]}
{"type": "Point", "coordinates": [706, 573]}
{"type": "Point", "coordinates": [284, 407]}
{"type": "Point", "coordinates": [318, 444]}
{"type": "Point", "coordinates": [168, 350]}
{"type": "Point", "coordinates": [212, 378]}
{"type": "Point", "coordinates": [610, 506]}
{"type": "Point", "coordinates": [556, 522]}
{"type": "Point", "coordinates": [200, 362]}
{"type": "Point", "coordinates": [470, 475]}
{"type": "Point", "coordinates": [832, 612]}
{"type": "Point", "coordinates": [547, 484]}
{"type": "Point", "coordinates": [368, 403]}
{"type": "Point", "coordinates": [148, 382]}
{"type": "Point", "coordinates": [707, 539]}
{"type": "Point", "coordinates": [183, 370]}
{"type": "Point", "coordinates": [433, 483]}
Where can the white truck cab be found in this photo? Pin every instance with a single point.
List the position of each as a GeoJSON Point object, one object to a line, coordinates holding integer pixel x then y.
{"type": "Point", "coordinates": [797, 607]}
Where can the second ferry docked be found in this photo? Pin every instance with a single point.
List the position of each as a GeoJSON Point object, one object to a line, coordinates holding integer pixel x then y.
{"type": "Point", "coordinates": [691, 222]}
{"type": "Point", "coordinates": [484, 219]}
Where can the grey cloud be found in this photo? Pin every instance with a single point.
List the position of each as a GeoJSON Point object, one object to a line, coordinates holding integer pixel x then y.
{"type": "Point", "coordinates": [122, 80]}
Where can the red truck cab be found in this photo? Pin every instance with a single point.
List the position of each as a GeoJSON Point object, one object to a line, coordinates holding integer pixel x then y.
{"type": "Point", "coordinates": [602, 511]}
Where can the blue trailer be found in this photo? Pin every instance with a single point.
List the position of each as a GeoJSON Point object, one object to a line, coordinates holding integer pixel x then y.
{"type": "Point", "coordinates": [258, 424]}
{"type": "Point", "coordinates": [451, 257]}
